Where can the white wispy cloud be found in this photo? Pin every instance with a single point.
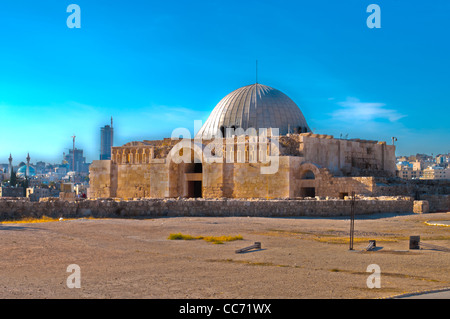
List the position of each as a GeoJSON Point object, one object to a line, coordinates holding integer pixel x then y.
{"type": "Point", "coordinates": [353, 109]}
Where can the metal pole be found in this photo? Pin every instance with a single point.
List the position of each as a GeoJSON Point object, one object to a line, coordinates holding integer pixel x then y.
{"type": "Point", "coordinates": [352, 220]}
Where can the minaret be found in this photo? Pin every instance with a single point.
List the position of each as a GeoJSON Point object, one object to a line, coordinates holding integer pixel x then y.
{"type": "Point", "coordinates": [10, 165]}
{"type": "Point", "coordinates": [28, 166]}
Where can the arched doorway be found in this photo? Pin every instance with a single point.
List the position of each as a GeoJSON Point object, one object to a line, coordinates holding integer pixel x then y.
{"type": "Point", "coordinates": [193, 176]}
{"type": "Point", "coordinates": [307, 180]}
{"type": "Point", "coordinates": [185, 173]}
{"type": "Point", "coordinates": [308, 192]}
{"type": "Point", "coordinates": [194, 181]}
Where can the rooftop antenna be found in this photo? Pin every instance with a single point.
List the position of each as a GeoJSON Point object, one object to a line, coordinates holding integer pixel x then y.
{"type": "Point", "coordinates": [256, 90]}
{"type": "Point", "coordinates": [394, 139]}
{"type": "Point", "coordinates": [256, 71]}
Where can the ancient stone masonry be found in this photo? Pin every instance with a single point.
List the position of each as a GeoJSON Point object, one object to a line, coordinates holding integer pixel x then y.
{"type": "Point", "coordinates": [421, 207]}
{"type": "Point", "coordinates": [438, 203]}
{"type": "Point", "coordinates": [106, 208]}
{"type": "Point", "coordinates": [416, 188]}
{"type": "Point", "coordinates": [308, 165]}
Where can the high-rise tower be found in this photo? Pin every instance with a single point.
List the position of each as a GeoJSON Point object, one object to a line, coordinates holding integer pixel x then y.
{"type": "Point", "coordinates": [106, 141]}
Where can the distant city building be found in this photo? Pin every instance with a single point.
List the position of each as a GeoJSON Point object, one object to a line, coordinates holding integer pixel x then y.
{"type": "Point", "coordinates": [422, 166]}
{"type": "Point", "coordinates": [106, 141]}
{"type": "Point", "coordinates": [61, 169]}
{"type": "Point", "coordinates": [43, 179]}
{"type": "Point", "coordinates": [76, 161]}
{"type": "Point", "coordinates": [421, 157]}
{"type": "Point", "coordinates": [436, 172]}
{"type": "Point", "coordinates": [443, 160]}
{"type": "Point", "coordinates": [40, 167]}
{"type": "Point", "coordinates": [408, 170]}
{"type": "Point", "coordinates": [418, 166]}
{"type": "Point", "coordinates": [11, 191]}
{"type": "Point", "coordinates": [56, 172]}
{"type": "Point", "coordinates": [35, 193]}
{"type": "Point", "coordinates": [4, 168]}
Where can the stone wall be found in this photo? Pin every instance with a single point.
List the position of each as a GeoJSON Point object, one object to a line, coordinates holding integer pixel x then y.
{"type": "Point", "coordinates": [100, 175]}
{"type": "Point", "coordinates": [421, 207]}
{"type": "Point", "coordinates": [108, 179]}
{"type": "Point", "coordinates": [417, 188]}
{"type": "Point", "coordinates": [353, 157]}
{"type": "Point", "coordinates": [145, 169]}
{"type": "Point", "coordinates": [438, 203]}
{"type": "Point", "coordinates": [17, 209]}
{"type": "Point", "coordinates": [12, 192]}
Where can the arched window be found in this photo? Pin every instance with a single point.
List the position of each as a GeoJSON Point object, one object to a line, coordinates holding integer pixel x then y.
{"type": "Point", "coordinates": [308, 175]}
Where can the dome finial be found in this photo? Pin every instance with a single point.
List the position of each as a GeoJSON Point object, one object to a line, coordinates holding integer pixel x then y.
{"type": "Point", "coordinates": [256, 71]}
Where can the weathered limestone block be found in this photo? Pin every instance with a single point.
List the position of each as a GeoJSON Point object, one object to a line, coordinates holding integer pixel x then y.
{"type": "Point", "coordinates": [158, 207]}
{"type": "Point", "coordinates": [421, 207]}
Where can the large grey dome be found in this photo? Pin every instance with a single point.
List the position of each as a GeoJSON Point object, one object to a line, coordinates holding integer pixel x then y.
{"type": "Point", "coordinates": [255, 106]}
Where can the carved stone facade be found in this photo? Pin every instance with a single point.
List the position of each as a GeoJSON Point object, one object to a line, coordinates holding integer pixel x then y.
{"type": "Point", "coordinates": [308, 165]}
{"type": "Point", "coordinates": [237, 153]}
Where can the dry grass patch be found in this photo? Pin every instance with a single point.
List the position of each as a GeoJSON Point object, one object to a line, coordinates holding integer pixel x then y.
{"type": "Point", "coordinates": [30, 220]}
{"type": "Point", "coordinates": [211, 239]}
{"type": "Point", "coordinates": [438, 237]}
{"type": "Point", "coordinates": [436, 223]}
{"type": "Point", "coordinates": [43, 219]}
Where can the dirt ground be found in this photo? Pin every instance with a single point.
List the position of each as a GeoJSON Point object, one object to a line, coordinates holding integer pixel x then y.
{"type": "Point", "coordinates": [299, 258]}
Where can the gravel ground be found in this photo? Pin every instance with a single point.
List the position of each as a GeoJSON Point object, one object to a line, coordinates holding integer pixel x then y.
{"type": "Point", "coordinates": [299, 258]}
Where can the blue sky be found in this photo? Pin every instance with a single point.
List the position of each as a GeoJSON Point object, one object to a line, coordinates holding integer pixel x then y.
{"type": "Point", "coordinates": [158, 65]}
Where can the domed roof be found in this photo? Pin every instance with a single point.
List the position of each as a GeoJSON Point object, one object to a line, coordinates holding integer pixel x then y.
{"type": "Point", "coordinates": [255, 106]}
{"type": "Point", "coordinates": [23, 169]}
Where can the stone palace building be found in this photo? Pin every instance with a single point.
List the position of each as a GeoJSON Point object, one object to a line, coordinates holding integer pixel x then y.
{"type": "Point", "coordinates": [256, 143]}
